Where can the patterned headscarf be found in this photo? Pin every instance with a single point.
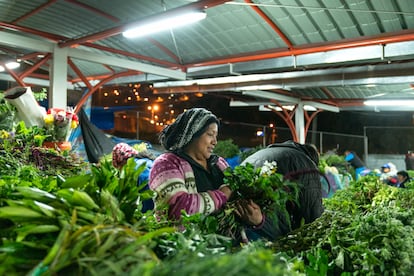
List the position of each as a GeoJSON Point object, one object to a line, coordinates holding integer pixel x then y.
{"type": "Point", "coordinates": [120, 154]}
{"type": "Point", "coordinates": [187, 126]}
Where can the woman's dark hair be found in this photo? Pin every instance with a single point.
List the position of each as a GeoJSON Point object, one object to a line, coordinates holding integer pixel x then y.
{"type": "Point", "coordinates": [403, 174]}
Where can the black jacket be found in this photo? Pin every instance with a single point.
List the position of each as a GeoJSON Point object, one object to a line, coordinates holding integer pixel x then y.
{"type": "Point", "coordinates": [299, 163]}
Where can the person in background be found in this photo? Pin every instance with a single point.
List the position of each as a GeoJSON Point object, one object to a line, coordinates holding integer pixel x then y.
{"type": "Point", "coordinates": [331, 182]}
{"type": "Point", "coordinates": [120, 155]}
{"type": "Point", "coordinates": [388, 174]}
{"type": "Point", "coordinates": [353, 159]}
{"type": "Point", "coordinates": [296, 162]}
{"type": "Point", "coordinates": [409, 161]}
{"type": "Point", "coordinates": [188, 176]}
{"type": "Point", "coordinates": [403, 178]}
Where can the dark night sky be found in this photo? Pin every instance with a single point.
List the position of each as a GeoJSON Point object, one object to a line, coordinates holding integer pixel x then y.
{"type": "Point", "coordinates": [388, 132]}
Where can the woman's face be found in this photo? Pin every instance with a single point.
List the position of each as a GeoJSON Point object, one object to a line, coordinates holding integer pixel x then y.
{"type": "Point", "coordinates": [400, 178]}
{"type": "Point", "coordinates": [202, 147]}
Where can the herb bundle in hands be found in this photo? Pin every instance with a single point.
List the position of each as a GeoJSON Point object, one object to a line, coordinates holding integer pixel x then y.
{"type": "Point", "coordinates": [264, 186]}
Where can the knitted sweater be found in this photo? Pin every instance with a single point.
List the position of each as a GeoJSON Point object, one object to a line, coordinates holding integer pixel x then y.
{"type": "Point", "coordinates": [173, 179]}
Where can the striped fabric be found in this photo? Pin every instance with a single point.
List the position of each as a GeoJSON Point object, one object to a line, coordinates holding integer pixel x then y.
{"type": "Point", "coordinates": [180, 133]}
{"type": "Point", "coordinates": [172, 178]}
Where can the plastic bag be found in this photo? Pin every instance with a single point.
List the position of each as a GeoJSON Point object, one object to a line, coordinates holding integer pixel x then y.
{"type": "Point", "coordinates": [28, 109]}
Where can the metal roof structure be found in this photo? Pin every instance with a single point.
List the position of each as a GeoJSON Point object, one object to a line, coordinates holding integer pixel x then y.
{"type": "Point", "coordinates": [331, 54]}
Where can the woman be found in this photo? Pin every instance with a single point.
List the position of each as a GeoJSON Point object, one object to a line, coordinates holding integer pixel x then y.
{"type": "Point", "coordinates": [189, 177]}
{"type": "Point", "coordinates": [296, 162]}
{"type": "Point", "coordinates": [353, 159]}
{"type": "Point", "coordinates": [403, 178]}
{"type": "Point", "coordinates": [389, 174]}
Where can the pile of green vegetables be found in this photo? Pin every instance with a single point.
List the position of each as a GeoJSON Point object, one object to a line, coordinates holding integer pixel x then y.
{"type": "Point", "coordinates": [89, 222]}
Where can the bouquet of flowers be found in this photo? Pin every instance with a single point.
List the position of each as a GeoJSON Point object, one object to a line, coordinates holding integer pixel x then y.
{"type": "Point", "coordinates": [59, 123]}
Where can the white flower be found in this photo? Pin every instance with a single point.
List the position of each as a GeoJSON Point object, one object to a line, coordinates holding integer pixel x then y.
{"type": "Point", "coordinates": [268, 168]}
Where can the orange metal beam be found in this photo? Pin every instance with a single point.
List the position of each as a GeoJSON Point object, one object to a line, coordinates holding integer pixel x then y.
{"type": "Point", "coordinates": [39, 76]}
{"type": "Point", "coordinates": [109, 68]}
{"type": "Point", "coordinates": [34, 11]}
{"type": "Point", "coordinates": [270, 23]}
{"type": "Point", "coordinates": [79, 73]}
{"type": "Point", "coordinates": [95, 77]}
{"type": "Point", "coordinates": [57, 38]}
{"type": "Point", "coordinates": [327, 92]}
{"type": "Point", "coordinates": [31, 31]}
{"type": "Point", "coordinates": [309, 119]}
{"type": "Point", "coordinates": [35, 66]}
{"type": "Point", "coordinates": [287, 118]}
{"type": "Point", "coordinates": [30, 56]}
{"type": "Point", "coordinates": [96, 87]}
{"type": "Point", "coordinates": [92, 9]}
{"type": "Point", "coordinates": [407, 35]}
{"type": "Point", "coordinates": [165, 50]}
{"type": "Point", "coordinates": [137, 56]}
{"type": "Point", "coordinates": [14, 75]}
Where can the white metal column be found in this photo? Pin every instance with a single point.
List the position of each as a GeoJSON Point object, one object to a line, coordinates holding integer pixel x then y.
{"type": "Point", "coordinates": [300, 122]}
{"type": "Point", "coordinates": [59, 72]}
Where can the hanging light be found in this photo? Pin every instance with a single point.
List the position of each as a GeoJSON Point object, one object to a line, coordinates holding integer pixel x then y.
{"type": "Point", "coordinates": [10, 65]}
{"type": "Point", "coordinates": [396, 103]}
{"type": "Point", "coordinates": [164, 24]}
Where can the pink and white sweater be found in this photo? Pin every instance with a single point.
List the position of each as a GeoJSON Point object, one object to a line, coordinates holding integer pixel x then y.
{"type": "Point", "coordinates": [172, 178]}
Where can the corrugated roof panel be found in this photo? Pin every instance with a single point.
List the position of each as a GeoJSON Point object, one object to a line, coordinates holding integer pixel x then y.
{"type": "Point", "coordinates": [286, 22]}
{"type": "Point", "coordinates": [349, 92]}
{"type": "Point", "coordinates": [65, 19]}
{"type": "Point", "coordinates": [342, 20]}
{"type": "Point", "coordinates": [366, 20]}
{"type": "Point", "coordinates": [389, 21]}
{"type": "Point", "coordinates": [140, 46]}
{"type": "Point", "coordinates": [236, 29]}
{"type": "Point", "coordinates": [316, 93]}
{"type": "Point", "coordinates": [11, 10]}
{"type": "Point", "coordinates": [407, 8]}
{"type": "Point", "coordinates": [367, 92]}
{"type": "Point", "coordinates": [308, 23]}
{"type": "Point", "coordinates": [326, 26]}
{"type": "Point", "coordinates": [127, 11]}
{"type": "Point", "coordinates": [130, 11]}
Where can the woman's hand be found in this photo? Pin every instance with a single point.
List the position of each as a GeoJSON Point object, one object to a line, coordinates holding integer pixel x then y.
{"type": "Point", "coordinates": [249, 212]}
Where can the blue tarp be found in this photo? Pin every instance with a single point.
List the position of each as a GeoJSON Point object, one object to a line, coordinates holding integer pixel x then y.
{"type": "Point", "coordinates": [103, 117]}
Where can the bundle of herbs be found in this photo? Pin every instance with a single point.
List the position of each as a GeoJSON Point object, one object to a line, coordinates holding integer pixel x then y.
{"type": "Point", "coordinates": [264, 186]}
